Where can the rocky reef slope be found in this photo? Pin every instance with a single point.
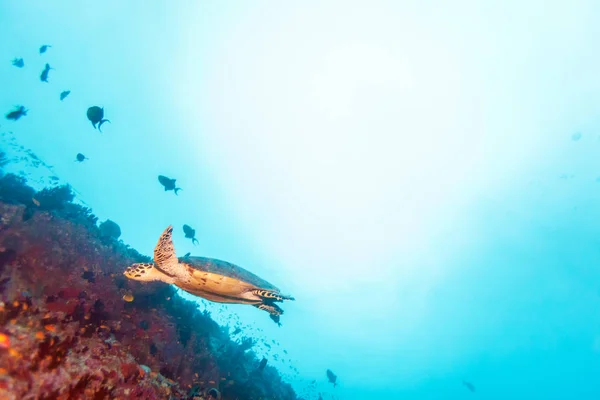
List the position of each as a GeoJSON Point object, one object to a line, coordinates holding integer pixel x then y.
{"type": "Point", "coordinates": [73, 327]}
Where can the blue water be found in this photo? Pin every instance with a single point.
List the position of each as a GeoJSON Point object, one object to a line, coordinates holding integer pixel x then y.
{"type": "Point", "coordinates": [421, 176]}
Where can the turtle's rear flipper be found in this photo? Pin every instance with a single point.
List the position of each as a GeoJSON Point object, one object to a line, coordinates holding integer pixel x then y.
{"type": "Point", "coordinates": [269, 294]}
{"type": "Point", "coordinates": [270, 308]}
{"type": "Point", "coordinates": [275, 319]}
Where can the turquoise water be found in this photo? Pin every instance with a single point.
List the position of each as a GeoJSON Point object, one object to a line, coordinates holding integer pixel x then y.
{"type": "Point", "coordinates": [420, 176]}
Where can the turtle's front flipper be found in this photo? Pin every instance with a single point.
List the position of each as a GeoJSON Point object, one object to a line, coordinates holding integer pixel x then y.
{"type": "Point", "coordinates": [164, 254]}
{"type": "Point", "coordinates": [270, 308]}
{"type": "Point", "coordinates": [269, 294]}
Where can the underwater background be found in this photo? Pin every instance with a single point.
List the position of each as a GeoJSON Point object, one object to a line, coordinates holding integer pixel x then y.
{"type": "Point", "coordinates": [422, 177]}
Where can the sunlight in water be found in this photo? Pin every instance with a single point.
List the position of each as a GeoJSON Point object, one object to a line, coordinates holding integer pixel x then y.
{"type": "Point", "coordinates": [356, 69]}
{"type": "Point", "coordinates": [423, 180]}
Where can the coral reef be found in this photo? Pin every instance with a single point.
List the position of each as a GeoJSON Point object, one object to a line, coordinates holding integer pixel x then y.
{"type": "Point", "coordinates": [73, 327]}
{"type": "Point", "coordinates": [110, 230]}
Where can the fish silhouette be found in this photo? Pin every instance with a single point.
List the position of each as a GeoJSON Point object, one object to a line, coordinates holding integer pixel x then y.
{"type": "Point", "coordinates": [18, 62]}
{"type": "Point", "coordinates": [44, 74]}
{"type": "Point", "coordinates": [190, 233]}
{"type": "Point", "coordinates": [168, 183]}
{"type": "Point", "coordinates": [16, 114]}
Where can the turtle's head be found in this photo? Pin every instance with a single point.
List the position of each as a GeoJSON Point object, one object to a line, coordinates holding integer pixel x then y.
{"type": "Point", "coordinates": [143, 272]}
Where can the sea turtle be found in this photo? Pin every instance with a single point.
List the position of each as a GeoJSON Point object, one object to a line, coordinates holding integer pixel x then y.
{"type": "Point", "coordinates": [215, 280]}
{"type": "Point", "coordinates": [96, 116]}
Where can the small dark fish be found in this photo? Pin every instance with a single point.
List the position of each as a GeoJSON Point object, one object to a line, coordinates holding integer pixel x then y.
{"type": "Point", "coordinates": [213, 394]}
{"type": "Point", "coordinates": [44, 48]}
{"type": "Point", "coordinates": [168, 183]}
{"type": "Point", "coordinates": [110, 229]}
{"type": "Point", "coordinates": [469, 386]}
{"type": "Point", "coordinates": [332, 377]}
{"type": "Point", "coordinates": [89, 276]}
{"type": "Point", "coordinates": [64, 94]}
{"type": "Point", "coordinates": [194, 390]}
{"type": "Point", "coordinates": [16, 114]}
{"type": "Point", "coordinates": [44, 74]}
{"type": "Point", "coordinates": [96, 116]}
{"type": "Point", "coordinates": [18, 62]}
{"type": "Point", "coordinates": [28, 213]}
{"type": "Point", "coordinates": [80, 157]}
{"type": "Point", "coordinates": [190, 233]}
{"type": "Point", "coordinates": [262, 365]}
{"type": "Point", "coordinates": [7, 257]}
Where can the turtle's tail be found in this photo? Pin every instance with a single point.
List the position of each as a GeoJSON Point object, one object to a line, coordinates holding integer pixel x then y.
{"type": "Point", "coordinates": [101, 122]}
{"type": "Point", "coordinates": [194, 241]}
{"type": "Point", "coordinates": [176, 190]}
{"type": "Point", "coordinates": [94, 125]}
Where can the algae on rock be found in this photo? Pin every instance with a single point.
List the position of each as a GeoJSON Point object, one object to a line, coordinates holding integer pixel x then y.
{"type": "Point", "coordinates": [69, 333]}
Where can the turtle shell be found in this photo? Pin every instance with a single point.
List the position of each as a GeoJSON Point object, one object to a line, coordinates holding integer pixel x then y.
{"type": "Point", "coordinates": [227, 269]}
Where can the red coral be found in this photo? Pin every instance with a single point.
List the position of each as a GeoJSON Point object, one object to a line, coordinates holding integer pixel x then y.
{"type": "Point", "coordinates": [78, 338]}
{"type": "Point", "coordinates": [130, 370]}
{"type": "Point", "coordinates": [69, 292]}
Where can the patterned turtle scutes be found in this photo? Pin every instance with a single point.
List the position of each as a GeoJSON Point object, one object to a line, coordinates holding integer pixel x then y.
{"type": "Point", "coordinates": [164, 254]}
{"type": "Point", "coordinates": [228, 269]}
